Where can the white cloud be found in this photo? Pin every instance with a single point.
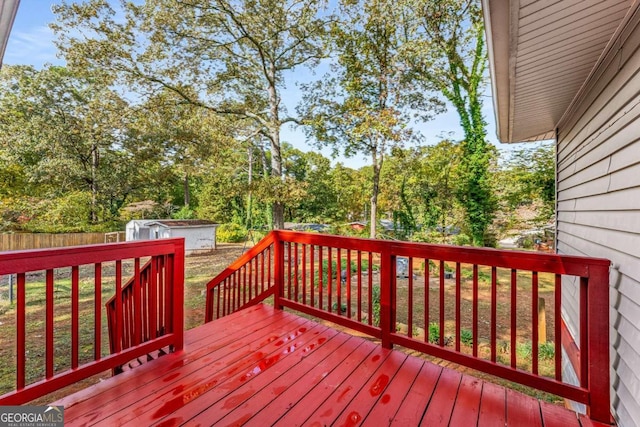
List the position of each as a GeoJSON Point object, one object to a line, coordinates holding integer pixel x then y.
{"type": "Point", "coordinates": [33, 46]}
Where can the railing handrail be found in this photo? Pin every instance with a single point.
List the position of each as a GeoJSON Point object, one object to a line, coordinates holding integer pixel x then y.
{"type": "Point", "coordinates": [13, 262]}
{"type": "Point", "coordinates": [592, 273]}
{"type": "Point", "coordinates": [242, 260]}
{"type": "Point", "coordinates": [22, 262]}
{"type": "Point", "coordinates": [541, 262]}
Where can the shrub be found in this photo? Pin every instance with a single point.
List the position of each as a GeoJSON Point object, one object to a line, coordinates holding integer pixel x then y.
{"type": "Point", "coordinates": [184, 213]}
{"type": "Point", "coordinates": [461, 240]}
{"type": "Point", "coordinates": [466, 337]}
{"type": "Point", "coordinates": [547, 350]}
{"type": "Point", "coordinates": [231, 233]}
{"type": "Point", "coordinates": [434, 333]}
{"type": "Point", "coordinates": [375, 298]}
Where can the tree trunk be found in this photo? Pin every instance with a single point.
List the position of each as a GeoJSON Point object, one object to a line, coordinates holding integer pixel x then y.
{"type": "Point", "coordinates": [249, 182]}
{"type": "Point", "coordinates": [373, 219]}
{"type": "Point", "coordinates": [276, 156]}
{"type": "Point", "coordinates": [187, 192]}
{"type": "Point", "coordinates": [94, 183]}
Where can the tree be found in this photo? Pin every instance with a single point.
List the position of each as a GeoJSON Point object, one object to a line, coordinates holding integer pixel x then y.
{"type": "Point", "coordinates": [66, 133]}
{"type": "Point", "coordinates": [527, 176]}
{"type": "Point", "coordinates": [226, 56]}
{"type": "Point", "coordinates": [186, 135]}
{"type": "Point", "coordinates": [421, 186]}
{"type": "Point", "coordinates": [452, 58]}
{"type": "Point", "coordinates": [364, 107]}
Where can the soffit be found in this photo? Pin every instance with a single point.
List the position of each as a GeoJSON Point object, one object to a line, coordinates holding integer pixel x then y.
{"type": "Point", "coordinates": [8, 9]}
{"type": "Point", "coordinates": [541, 53]}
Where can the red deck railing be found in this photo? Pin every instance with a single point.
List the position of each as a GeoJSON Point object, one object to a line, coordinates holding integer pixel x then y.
{"type": "Point", "coordinates": [72, 283]}
{"type": "Point", "coordinates": [474, 307]}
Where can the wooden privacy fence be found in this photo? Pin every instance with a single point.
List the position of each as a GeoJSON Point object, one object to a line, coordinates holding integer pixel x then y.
{"type": "Point", "coordinates": [24, 241]}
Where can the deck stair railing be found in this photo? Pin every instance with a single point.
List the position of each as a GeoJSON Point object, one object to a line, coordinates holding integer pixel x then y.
{"type": "Point", "coordinates": [59, 310]}
{"type": "Point", "coordinates": [145, 316]}
{"type": "Point", "coordinates": [480, 308]}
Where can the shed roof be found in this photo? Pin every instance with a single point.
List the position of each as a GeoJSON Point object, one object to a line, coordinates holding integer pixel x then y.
{"type": "Point", "coordinates": [542, 53]}
{"type": "Point", "coordinates": [179, 223]}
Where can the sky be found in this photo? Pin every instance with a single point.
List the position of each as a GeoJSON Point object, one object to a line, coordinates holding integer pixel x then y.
{"type": "Point", "coordinates": [31, 43]}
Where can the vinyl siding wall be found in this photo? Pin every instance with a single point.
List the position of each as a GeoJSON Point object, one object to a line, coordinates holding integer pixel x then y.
{"type": "Point", "coordinates": [598, 198]}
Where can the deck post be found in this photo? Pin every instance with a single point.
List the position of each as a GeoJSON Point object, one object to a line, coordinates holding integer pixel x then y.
{"type": "Point", "coordinates": [178, 296]}
{"type": "Point", "coordinates": [278, 269]}
{"type": "Point", "coordinates": [598, 348]}
{"type": "Point", "coordinates": [387, 297]}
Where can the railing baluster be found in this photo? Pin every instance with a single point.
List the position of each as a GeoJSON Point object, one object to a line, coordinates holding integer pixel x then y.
{"type": "Point", "coordinates": [249, 290]}
{"type": "Point", "coordinates": [262, 271]}
{"type": "Point", "coordinates": [442, 292]}
{"type": "Point", "coordinates": [312, 251]}
{"type": "Point", "coordinates": [218, 290]}
{"type": "Point", "coordinates": [474, 314]}
{"type": "Point", "coordinates": [494, 305]}
{"type": "Point", "coordinates": [359, 284]}
{"type": "Point", "coordinates": [534, 322]}
{"type": "Point", "coordinates": [21, 335]}
{"type": "Point", "coordinates": [320, 278]}
{"type": "Point", "coordinates": [75, 324]}
{"type": "Point", "coordinates": [329, 278]}
{"type": "Point", "coordinates": [119, 326]}
{"type": "Point", "coordinates": [288, 269]}
{"type": "Point", "coordinates": [269, 262]}
{"type": "Point", "coordinates": [514, 327]}
{"type": "Point", "coordinates": [557, 322]}
{"type": "Point", "coordinates": [49, 355]}
{"type": "Point", "coordinates": [370, 284]}
{"type": "Point", "coordinates": [295, 272]}
{"type": "Point", "coordinates": [348, 284]}
{"type": "Point", "coordinates": [339, 282]}
{"type": "Point", "coordinates": [246, 274]}
{"type": "Point", "coordinates": [153, 300]}
{"type": "Point", "coordinates": [458, 320]}
{"type": "Point", "coordinates": [410, 299]}
{"type": "Point", "coordinates": [304, 274]}
{"type": "Point", "coordinates": [137, 300]}
{"type": "Point", "coordinates": [426, 299]}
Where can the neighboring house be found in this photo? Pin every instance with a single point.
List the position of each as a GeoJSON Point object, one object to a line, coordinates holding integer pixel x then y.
{"type": "Point", "coordinates": [306, 226]}
{"type": "Point", "coordinates": [199, 235]}
{"type": "Point", "coordinates": [569, 70]}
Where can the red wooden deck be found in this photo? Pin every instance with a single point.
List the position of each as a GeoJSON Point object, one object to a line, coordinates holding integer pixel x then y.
{"type": "Point", "coordinates": [262, 366]}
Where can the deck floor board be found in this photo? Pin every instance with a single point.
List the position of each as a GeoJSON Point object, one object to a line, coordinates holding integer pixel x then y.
{"type": "Point", "coordinates": [262, 366]}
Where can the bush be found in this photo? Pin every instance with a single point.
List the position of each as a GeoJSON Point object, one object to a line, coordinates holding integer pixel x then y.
{"type": "Point", "coordinates": [184, 213]}
{"type": "Point", "coordinates": [231, 233]}
{"type": "Point", "coordinates": [434, 333]}
{"type": "Point", "coordinates": [375, 299]}
{"type": "Point", "coordinates": [466, 337]}
{"type": "Point", "coordinates": [461, 240]}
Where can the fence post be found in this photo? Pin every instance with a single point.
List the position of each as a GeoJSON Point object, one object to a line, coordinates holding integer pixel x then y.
{"type": "Point", "coordinates": [278, 269]}
{"type": "Point", "coordinates": [542, 322]}
{"type": "Point", "coordinates": [598, 343]}
{"type": "Point", "coordinates": [387, 297]}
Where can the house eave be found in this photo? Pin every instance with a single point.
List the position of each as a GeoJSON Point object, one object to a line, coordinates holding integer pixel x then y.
{"type": "Point", "coordinates": [8, 10]}
{"type": "Point", "coordinates": [542, 55]}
